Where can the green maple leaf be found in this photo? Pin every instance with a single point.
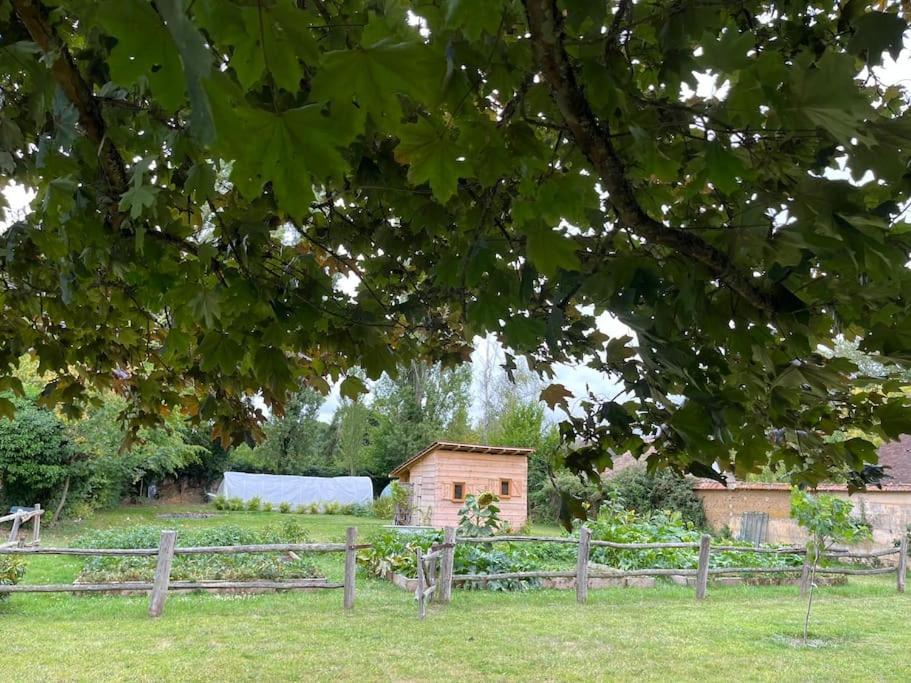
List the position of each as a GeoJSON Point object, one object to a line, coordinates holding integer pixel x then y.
{"type": "Point", "coordinates": [876, 33]}
{"type": "Point", "coordinates": [220, 351]}
{"type": "Point", "coordinates": [273, 37]}
{"type": "Point", "coordinates": [149, 54]}
{"type": "Point", "coordinates": [723, 167]}
{"type": "Point", "coordinates": [550, 250]}
{"type": "Point", "coordinates": [375, 76]}
{"type": "Point", "coordinates": [474, 17]}
{"type": "Point", "coordinates": [137, 198]}
{"type": "Point", "coordinates": [729, 53]}
{"type": "Point", "coordinates": [272, 366]}
{"type": "Point", "coordinates": [206, 305]}
{"type": "Point", "coordinates": [432, 157]}
{"type": "Point", "coordinates": [827, 94]}
{"type": "Point", "coordinates": [352, 387]}
{"type": "Point", "coordinates": [894, 418]}
{"type": "Point", "coordinates": [288, 153]}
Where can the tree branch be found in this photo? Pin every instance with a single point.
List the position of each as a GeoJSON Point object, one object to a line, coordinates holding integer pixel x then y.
{"type": "Point", "coordinates": [545, 23]}
{"type": "Point", "coordinates": [76, 90]}
{"type": "Point", "coordinates": [79, 93]}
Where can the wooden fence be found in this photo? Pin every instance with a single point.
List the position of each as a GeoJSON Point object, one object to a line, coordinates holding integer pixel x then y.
{"type": "Point", "coordinates": [18, 519]}
{"type": "Point", "coordinates": [165, 552]}
{"type": "Point", "coordinates": [435, 576]}
{"type": "Point", "coordinates": [439, 590]}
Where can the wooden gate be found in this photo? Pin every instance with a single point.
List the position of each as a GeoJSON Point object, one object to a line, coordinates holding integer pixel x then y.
{"type": "Point", "coordinates": [754, 527]}
{"type": "Point", "coordinates": [434, 570]}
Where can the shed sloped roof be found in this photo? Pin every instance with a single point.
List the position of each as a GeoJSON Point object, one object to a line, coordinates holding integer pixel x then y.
{"type": "Point", "coordinates": [461, 448]}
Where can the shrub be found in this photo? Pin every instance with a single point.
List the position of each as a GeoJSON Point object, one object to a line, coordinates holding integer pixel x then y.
{"type": "Point", "coordinates": [383, 508]}
{"type": "Point", "coordinates": [12, 569]}
{"type": "Point", "coordinates": [646, 492]}
{"type": "Point", "coordinates": [301, 509]}
{"type": "Point", "coordinates": [254, 504]}
{"type": "Point", "coordinates": [546, 503]}
{"type": "Point", "coordinates": [235, 504]}
{"type": "Point", "coordinates": [284, 507]}
{"type": "Point", "coordinates": [36, 455]}
{"type": "Point", "coordinates": [332, 508]}
{"type": "Point", "coordinates": [313, 509]}
{"type": "Point", "coordinates": [267, 507]}
{"type": "Point", "coordinates": [220, 503]}
{"type": "Point", "coordinates": [361, 510]}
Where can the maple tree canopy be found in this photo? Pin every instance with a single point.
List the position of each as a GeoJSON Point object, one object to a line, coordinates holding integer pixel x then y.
{"type": "Point", "coordinates": [209, 174]}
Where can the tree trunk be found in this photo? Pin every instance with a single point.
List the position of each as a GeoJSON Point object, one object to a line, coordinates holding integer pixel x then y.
{"type": "Point", "coordinates": [66, 489]}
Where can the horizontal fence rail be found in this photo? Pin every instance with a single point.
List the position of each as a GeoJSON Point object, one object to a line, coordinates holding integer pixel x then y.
{"type": "Point", "coordinates": [288, 584]}
{"type": "Point", "coordinates": [164, 554]}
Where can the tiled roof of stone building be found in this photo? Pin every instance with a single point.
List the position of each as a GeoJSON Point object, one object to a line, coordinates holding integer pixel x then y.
{"type": "Point", "coordinates": [895, 456]}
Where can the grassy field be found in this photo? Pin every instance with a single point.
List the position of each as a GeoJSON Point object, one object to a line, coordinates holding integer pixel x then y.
{"type": "Point", "coordinates": [740, 633]}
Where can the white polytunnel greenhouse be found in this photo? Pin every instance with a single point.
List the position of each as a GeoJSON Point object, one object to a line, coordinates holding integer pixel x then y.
{"type": "Point", "coordinates": [280, 488]}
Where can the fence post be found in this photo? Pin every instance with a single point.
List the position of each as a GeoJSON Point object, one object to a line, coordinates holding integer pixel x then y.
{"type": "Point", "coordinates": [14, 532]}
{"type": "Point", "coordinates": [902, 562]}
{"type": "Point", "coordinates": [585, 536]}
{"type": "Point", "coordinates": [444, 588]}
{"type": "Point", "coordinates": [36, 525]}
{"type": "Point", "coordinates": [421, 586]}
{"type": "Point", "coordinates": [350, 565]}
{"type": "Point", "coordinates": [166, 544]}
{"type": "Point", "coordinates": [702, 573]}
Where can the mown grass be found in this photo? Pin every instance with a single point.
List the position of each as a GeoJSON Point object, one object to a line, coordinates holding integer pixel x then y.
{"type": "Point", "coordinates": [739, 633]}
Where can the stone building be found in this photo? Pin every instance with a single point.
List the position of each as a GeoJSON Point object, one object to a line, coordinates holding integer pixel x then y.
{"type": "Point", "coordinates": [766, 508]}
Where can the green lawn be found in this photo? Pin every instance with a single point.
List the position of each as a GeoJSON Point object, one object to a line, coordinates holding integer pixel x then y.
{"type": "Point", "coordinates": [740, 633]}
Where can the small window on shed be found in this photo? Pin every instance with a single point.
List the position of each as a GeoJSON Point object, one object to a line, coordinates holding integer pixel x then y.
{"type": "Point", "coordinates": [458, 490]}
{"type": "Point", "coordinates": [505, 488]}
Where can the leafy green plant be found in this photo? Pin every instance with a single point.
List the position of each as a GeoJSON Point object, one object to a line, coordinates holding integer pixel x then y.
{"type": "Point", "coordinates": [235, 504]}
{"type": "Point", "coordinates": [347, 509]}
{"type": "Point", "coordinates": [12, 569]}
{"type": "Point", "coordinates": [479, 516]}
{"type": "Point", "coordinates": [267, 506]}
{"type": "Point", "coordinates": [332, 508]}
{"type": "Point", "coordinates": [313, 509]}
{"type": "Point", "coordinates": [827, 520]}
{"type": "Point", "coordinates": [198, 567]}
{"type": "Point", "coordinates": [619, 525]}
{"type": "Point", "coordinates": [220, 502]}
{"type": "Point", "coordinates": [284, 507]}
{"type": "Point", "coordinates": [393, 551]}
{"type": "Point", "coordinates": [301, 509]}
{"type": "Point", "coordinates": [254, 504]}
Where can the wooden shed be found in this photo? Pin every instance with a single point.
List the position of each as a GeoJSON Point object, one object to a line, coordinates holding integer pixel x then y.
{"type": "Point", "coordinates": [441, 475]}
